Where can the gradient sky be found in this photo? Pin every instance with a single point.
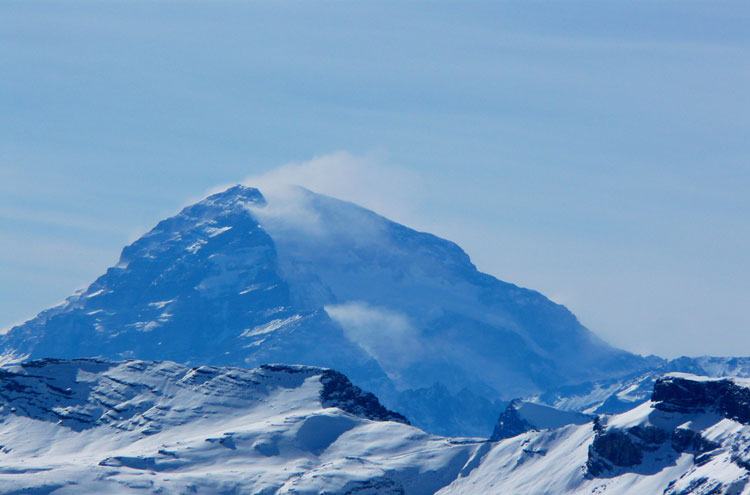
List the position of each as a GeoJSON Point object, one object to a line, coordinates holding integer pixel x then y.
{"type": "Point", "coordinates": [598, 152]}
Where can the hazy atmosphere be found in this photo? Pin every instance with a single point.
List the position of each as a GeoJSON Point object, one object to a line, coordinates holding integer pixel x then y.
{"type": "Point", "coordinates": [596, 152]}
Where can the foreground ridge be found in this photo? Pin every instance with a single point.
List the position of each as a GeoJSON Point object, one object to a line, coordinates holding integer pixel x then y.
{"type": "Point", "coordinates": [97, 426]}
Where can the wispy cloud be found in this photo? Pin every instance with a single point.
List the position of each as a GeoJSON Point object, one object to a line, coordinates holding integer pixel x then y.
{"type": "Point", "coordinates": [367, 180]}
{"type": "Point", "coordinates": [386, 334]}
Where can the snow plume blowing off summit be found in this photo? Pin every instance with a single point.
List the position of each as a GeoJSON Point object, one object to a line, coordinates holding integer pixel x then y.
{"type": "Point", "coordinates": [298, 277]}
{"type": "Point", "coordinates": [386, 335]}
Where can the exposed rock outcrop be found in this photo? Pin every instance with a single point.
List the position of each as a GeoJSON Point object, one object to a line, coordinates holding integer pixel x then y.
{"type": "Point", "coordinates": [686, 394]}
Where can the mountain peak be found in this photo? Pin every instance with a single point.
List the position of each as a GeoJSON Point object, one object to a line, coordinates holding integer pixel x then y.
{"type": "Point", "coordinates": [196, 224]}
{"type": "Point", "coordinates": [313, 280]}
{"type": "Point", "coordinates": [238, 194]}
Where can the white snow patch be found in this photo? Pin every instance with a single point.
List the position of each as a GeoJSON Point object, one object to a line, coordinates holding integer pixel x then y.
{"type": "Point", "coordinates": [251, 288]}
{"type": "Point", "coordinates": [160, 304]}
{"type": "Point", "coordinates": [269, 327]}
{"type": "Point", "coordinates": [145, 326]}
{"type": "Point", "coordinates": [213, 231]}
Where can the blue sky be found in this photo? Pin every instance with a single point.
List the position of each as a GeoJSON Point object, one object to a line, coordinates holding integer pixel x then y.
{"type": "Point", "coordinates": [595, 151]}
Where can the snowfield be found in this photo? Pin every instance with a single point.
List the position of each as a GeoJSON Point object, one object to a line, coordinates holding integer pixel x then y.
{"type": "Point", "coordinates": [139, 427]}
{"type": "Point", "coordinates": [89, 426]}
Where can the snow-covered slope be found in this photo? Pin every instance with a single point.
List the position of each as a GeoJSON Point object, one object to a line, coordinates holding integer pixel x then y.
{"type": "Point", "coordinates": [240, 280]}
{"type": "Point", "coordinates": [692, 437]}
{"type": "Point", "coordinates": [89, 426]}
{"type": "Point", "coordinates": [520, 417]}
{"type": "Point", "coordinates": [615, 395]}
{"type": "Point", "coordinates": [139, 427]}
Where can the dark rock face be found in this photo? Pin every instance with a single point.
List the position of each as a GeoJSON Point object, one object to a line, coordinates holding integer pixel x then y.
{"type": "Point", "coordinates": [649, 434]}
{"type": "Point", "coordinates": [724, 397]}
{"type": "Point", "coordinates": [615, 447]}
{"type": "Point", "coordinates": [340, 392]}
{"type": "Point", "coordinates": [510, 424]}
{"type": "Point", "coordinates": [685, 440]}
{"type": "Point", "coordinates": [381, 485]}
{"type": "Point", "coordinates": [672, 394]}
{"type": "Point", "coordinates": [626, 448]}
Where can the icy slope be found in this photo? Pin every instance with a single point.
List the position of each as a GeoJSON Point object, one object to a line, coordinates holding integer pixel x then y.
{"type": "Point", "coordinates": [240, 280]}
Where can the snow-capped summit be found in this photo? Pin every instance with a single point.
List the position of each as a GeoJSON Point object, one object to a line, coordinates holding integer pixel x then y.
{"type": "Point", "coordinates": [296, 277]}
